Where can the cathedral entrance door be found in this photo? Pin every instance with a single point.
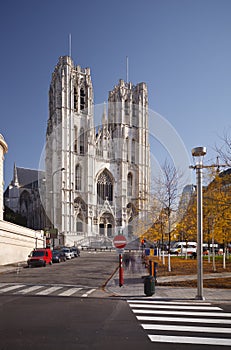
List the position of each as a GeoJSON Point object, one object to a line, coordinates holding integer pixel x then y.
{"type": "Point", "coordinates": [101, 230]}
{"type": "Point", "coordinates": [109, 230]}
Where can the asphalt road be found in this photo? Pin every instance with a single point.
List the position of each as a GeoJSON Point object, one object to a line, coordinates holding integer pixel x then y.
{"type": "Point", "coordinates": [70, 323]}
{"type": "Point", "coordinates": [90, 269]}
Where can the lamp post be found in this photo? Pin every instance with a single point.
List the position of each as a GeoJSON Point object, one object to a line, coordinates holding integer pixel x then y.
{"type": "Point", "coordinates": [198, 153]}
{"type": "Point", "coordinates": [53, 199]}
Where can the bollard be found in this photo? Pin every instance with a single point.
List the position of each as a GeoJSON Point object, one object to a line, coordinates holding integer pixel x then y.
{"type": "Point", "coordinates": [155, 270]}
{"type": "Point", "coordinates": [149, 286]}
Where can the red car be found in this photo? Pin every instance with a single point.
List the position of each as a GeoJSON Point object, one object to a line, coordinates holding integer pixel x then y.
{"type": "Point", "coordinates": [40, 257]}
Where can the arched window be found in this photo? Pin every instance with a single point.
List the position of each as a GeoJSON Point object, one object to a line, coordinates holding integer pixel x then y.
{"type": "Point", "coordinates": [104, 187]}
{"type": "Point", "coordinates": [78, 178]}
{"type": "Point", "coordinates": [81, 141]}
{"type": "Point", "coordinates": [82, 99]}
{"type": "Point", "coordinates": [129, 185]}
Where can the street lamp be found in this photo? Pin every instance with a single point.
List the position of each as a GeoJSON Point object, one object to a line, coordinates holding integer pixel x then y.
{"type": "Point", "coordinates": [198, 153]}
{"type": "Point", "coordinates": [53, 200]}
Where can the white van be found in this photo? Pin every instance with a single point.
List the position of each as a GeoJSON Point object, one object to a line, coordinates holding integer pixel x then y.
{"type": "Point", "coordinates": [181, 248]}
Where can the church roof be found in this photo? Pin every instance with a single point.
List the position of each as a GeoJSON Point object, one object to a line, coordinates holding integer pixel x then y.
{"type": "Point", "coordinates": [28, 176]}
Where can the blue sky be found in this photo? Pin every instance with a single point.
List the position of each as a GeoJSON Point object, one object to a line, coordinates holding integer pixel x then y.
{"type": "Point", "coordinates": [180, 48]}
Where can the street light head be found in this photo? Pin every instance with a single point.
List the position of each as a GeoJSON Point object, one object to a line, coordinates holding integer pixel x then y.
{"type": "Point", "coordinates": [62, 169]}
{"type": "Point", "coordinates": [199, 151]}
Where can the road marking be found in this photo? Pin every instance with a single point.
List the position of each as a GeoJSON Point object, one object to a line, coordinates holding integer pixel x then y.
{"type": "Point", "coordinates": [28, 290]}
{"type": "Point", "coordinates": [88, 292]}
{"type": "Point", "coordinates": [183, 313]}
{"type": "Point", "coordinates": [69, 292]}
{"type": "Point", "coordinates": [8, 289]}
{"type": "Point", "coordinates": [141, 301]}
{"type": "Point", "coordinates": [184, 319]}
{"type": "Point", "coordinates": [181, 328]}
{"type": "Point", "coordinates": [177, 307]}
{"type": "Point", "coordinates": [48, 291]}
{"type": "Point", "coordinates": [189, 340]}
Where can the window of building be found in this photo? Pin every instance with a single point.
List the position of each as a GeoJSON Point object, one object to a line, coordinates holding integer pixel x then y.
{"type": "Point", "coordinates": [82, 99]}
{"type": "Point", "coordinates": [129, 185]}
{"type": "Point", "coordinates": [78, 178]}
{"type": "Point", "coordinates": [104, 187]}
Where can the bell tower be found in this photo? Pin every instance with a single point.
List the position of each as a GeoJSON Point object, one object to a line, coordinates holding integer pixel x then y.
{"type": "Point", "coordinates": [69, 125]}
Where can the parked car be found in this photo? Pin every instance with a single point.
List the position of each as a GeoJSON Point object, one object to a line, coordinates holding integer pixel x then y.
{"type": "Point", "coordinates": [183, 248]}
{"type": "Point", "coordinates": [40, 257]}
{"type": "Point", "coordinates": [58, 256]}
{"type": "Point", "coordinates": [69, 255]}
{"type": "Point", "coordinates": [76, 251]}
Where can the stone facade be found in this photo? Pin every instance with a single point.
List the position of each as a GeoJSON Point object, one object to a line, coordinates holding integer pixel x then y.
{"type": "Point", "coordinates": [97, 172]}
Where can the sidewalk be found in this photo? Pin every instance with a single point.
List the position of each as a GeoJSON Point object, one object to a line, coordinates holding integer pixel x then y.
{"type": "Point", "coordinates": [134, 287]}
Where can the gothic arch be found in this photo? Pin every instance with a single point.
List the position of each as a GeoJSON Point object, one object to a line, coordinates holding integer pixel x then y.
{"type": "Point", "coordinates": [106, 224]}
{"type": "Point", "coordinates": [105, 182]}
{"type": "Point", "coordinates": [80, 215]}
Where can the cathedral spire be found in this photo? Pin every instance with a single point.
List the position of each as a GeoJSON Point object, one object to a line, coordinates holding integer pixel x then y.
{"type": "Point", "coordinates": [15, 177]}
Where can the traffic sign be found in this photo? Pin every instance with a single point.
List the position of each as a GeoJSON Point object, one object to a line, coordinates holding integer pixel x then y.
{"type": "Point", "coordinates": [119, 241]}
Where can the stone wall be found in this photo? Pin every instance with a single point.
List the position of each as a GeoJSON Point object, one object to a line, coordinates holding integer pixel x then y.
{"type": "Point", "coordinates": [16, 242]}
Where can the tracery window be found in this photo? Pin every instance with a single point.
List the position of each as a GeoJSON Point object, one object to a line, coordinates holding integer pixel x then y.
{"type": "Point", "coordinates": [104, 187]}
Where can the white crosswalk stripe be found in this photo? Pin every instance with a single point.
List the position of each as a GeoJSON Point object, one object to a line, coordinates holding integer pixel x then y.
{"type": "Point", "coordinates": [43, 290]}
{"type": "Point", "coordinates": [9, 289]}
{"type": "Point", "coordinates": [48, 290]}
{"type": "Point", "coordinates": [69, 292]}
{"type": "Point", "coordinates": [183, 323]}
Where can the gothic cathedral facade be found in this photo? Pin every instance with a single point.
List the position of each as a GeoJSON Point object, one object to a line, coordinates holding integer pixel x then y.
{"type": "Point", "coordinates": [97, 172]}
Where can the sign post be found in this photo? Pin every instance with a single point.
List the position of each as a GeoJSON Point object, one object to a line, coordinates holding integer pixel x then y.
{"type": "Point", "coordinates": [119, 243]}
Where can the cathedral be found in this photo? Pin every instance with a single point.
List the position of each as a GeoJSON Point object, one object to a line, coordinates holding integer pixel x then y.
{"type": "Point", "coordinates": [97, 172]}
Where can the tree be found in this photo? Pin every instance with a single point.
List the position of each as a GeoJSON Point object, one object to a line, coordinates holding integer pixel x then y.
{"type": "Point", "coordinates": [168, 187]}
{"type": "Point", "coordinates": [224, 151]}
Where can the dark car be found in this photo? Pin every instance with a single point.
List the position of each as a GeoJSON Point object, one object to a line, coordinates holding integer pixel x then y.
{"type": "Point", "coordinates": [76, 251]}
{"type": "Point", "coordinates": [58, 256]}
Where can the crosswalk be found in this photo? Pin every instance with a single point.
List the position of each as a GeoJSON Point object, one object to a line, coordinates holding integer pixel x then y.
{"type": "Point", "coordinates": [45, 290]}
{"type": "Point", "coordinates": [183, 322]}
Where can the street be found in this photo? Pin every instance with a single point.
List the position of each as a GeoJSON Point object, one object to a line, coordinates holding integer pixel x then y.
{"type": "Point", "coordinates": [64, 306]}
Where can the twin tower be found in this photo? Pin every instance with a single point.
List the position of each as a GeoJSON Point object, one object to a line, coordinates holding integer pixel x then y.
{"type": "Point", "coordinates": [97, 157]}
